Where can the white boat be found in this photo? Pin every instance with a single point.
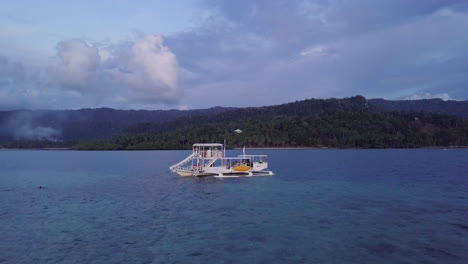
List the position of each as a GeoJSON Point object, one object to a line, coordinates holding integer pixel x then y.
{"type": "Point", "coordinates": [209, 159]}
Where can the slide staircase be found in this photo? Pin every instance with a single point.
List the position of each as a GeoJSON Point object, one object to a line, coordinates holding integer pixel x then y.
{"type": "Point", "coordinates": [182, 162]}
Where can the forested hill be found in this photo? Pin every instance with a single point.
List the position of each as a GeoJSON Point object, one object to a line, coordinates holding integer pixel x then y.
{"type": "Point", "coordinates": [454, 108]}
{"type": "Point", "coordinates": [348, 122]}
{"type": "Point", "coordinates": [342, 123]}
{"type": "Point", "coordinates": [308, 107]}
{"type": "Point", "coordinates": [84, 123]}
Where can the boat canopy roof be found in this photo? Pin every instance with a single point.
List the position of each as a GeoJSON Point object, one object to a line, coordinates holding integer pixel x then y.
{"type": "Point", "coordinates": [251, 156]}
{"type": "Point", "coordinates": [207, 145]}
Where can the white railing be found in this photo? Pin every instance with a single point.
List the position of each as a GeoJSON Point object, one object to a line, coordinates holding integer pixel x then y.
{"type": "Point", "coordinates": [202, 167]}
{"type": "Point", "coordinates": [210, 163]}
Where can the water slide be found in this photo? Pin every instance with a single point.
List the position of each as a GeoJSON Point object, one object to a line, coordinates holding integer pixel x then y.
{"type": "Point", "coordinates": [182, 162]}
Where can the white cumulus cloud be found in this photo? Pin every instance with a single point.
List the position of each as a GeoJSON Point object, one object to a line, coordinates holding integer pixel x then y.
{"type": "Point", "coordinates": [79, 62]}
{"type": "Point", "coordinates": [139, 72]}
{"type": "Point", "coordinates": [150, 70]}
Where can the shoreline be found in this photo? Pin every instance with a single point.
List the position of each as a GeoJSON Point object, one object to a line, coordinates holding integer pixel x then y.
{"type": "Point", "coordinates": [294, 148]}
{"type": "Point", "coordinates": [56, 148]}
{"type": "Point", "coordinates": [305, 148]}
{"type": "Point", "coordinates": [250, 148]}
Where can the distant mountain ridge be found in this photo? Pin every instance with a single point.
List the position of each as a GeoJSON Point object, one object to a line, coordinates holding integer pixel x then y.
{"type": "Point", "coordinates": [338, 123]}
{"type": "Point", "coordinates": [83, 123]}
{"type": "Point", "coordinates": [100, 123]}
{"type": "Point", "coordinates": [453, 108]}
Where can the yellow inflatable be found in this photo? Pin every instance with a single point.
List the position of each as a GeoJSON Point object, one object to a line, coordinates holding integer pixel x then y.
{"type": "Point", "coordinates": [241, 168]}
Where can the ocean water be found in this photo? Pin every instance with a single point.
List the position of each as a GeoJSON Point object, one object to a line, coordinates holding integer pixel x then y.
{"type": "Point", "coordinates": [322, 206]}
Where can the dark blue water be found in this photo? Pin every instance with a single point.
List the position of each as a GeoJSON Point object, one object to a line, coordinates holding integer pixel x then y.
{"type": "Point", "coordinates": [322, 206]}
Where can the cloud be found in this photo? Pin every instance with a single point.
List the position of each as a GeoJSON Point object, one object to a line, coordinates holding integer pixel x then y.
{"type": "Point", "coordinates": [150, 71]}
{"type": "Point", "coordinates": [20, 85]}
{"type": "Point", "coordinates": [317, 51]}
{"type": "Point", "coordinates": [264, 52]}
{"type": "Point", "coordinates": [78, 63]}
{"type": "Point", "coordinates": [443, 96]}
{"type": "Point", "coordinates": [141, 73]}
{"type": "Point", "coordinates": [325, 49]}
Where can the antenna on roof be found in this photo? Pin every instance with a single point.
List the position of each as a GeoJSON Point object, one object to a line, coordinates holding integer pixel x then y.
{"type": "Point", "coordinates": [238, 131]}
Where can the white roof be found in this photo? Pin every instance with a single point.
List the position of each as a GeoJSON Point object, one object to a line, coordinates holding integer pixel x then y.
{"type": "Point", "coordinates": [207, 145]}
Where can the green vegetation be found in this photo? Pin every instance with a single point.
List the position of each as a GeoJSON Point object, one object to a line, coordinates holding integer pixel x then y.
{"type": "Point", "coordinates": [37, 144]}
{"type": "Point", "coordinates": [340, 123]}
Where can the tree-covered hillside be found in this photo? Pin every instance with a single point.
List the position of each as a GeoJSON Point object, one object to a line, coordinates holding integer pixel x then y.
{"type": "Point", "coordinates": [82, 124]}
{"type": "Point", "coordinates": [342, 123]}
{"type": "Point", "coordinates": [345, 123]}
{"type": "Point", "coordinates": [439, 106]}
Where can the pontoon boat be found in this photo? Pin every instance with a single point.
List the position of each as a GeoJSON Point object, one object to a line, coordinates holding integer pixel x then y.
{"type": "Point", "coordinates": [210, 159]}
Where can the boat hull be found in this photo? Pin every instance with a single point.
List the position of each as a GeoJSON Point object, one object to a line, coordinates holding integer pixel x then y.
{"type": "Point", "coordinates": [184, 173]}
{"type": "Point", "coordinates": [220, 172]}
{"type": "Point", "coordinates": [191, 173]}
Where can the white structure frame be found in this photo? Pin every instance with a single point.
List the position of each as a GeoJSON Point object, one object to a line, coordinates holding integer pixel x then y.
{"type": "Point", "coordinates": [209, 159]}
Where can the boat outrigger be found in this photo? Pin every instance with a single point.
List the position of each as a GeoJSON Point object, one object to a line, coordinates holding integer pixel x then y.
{"type": "Point", "coordinates": [210, 159]}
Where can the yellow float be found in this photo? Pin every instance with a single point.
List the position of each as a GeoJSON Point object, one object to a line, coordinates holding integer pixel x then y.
{"type": "Point", "coordinates": [241, 168]}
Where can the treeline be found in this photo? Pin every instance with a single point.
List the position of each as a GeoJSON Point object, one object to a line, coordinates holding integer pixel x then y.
{"type": "Point", "coordinates": [345, 123]}
{"type": "Point", "coordinates": [37, 144]}
{"type": "Point", "coordinates": [308, 107]}
{"type": "Point", "coordinates": [451, 107]}
{"type": "Point", "coordinates": [340, 123]}
{"type": "Point", "coordinates": [87, 124]}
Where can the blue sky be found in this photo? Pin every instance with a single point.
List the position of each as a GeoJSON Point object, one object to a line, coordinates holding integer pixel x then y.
{"type": "Point", "coordinates": [202, 53]}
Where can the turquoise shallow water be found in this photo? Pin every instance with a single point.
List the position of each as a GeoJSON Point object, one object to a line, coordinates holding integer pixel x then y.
{"type": "Point", "coordinates": [323, 206]}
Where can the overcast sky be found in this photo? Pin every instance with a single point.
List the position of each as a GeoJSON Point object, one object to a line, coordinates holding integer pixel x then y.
{"type": "Point", "coordinates": [195, 54]}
